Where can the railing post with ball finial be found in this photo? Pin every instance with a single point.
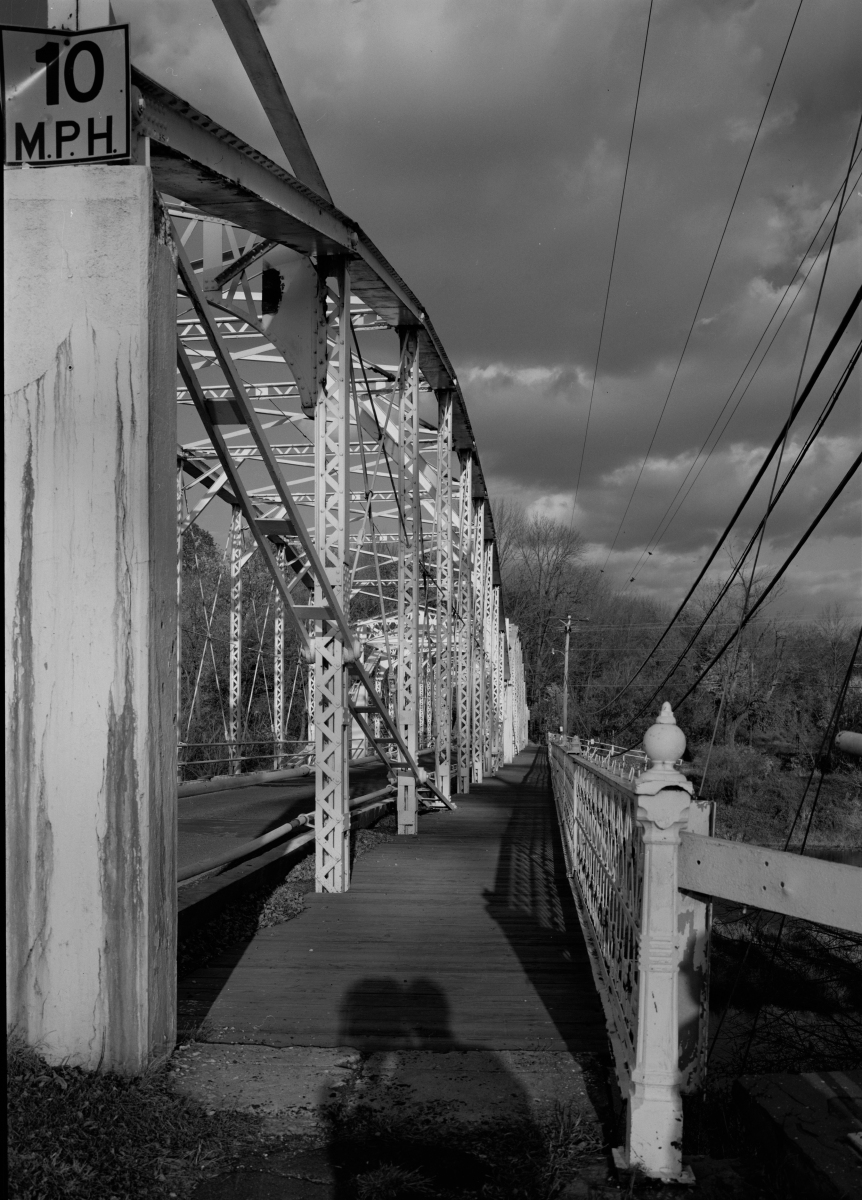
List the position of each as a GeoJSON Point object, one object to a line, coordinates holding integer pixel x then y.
{"type": "Point", "coordinates": [654, 1110]}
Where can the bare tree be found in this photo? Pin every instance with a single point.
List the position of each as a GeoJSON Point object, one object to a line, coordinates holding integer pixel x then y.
{"type": "Point", "coordinates": [509, 522]}
{"type": "Point", "coordinates": [544, 582]}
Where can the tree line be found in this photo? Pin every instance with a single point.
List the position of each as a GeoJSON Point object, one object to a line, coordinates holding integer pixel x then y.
{"type": "Point", "coordinates": [774, 689]}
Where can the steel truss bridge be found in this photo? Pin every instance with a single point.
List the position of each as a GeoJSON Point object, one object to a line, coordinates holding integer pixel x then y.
{"type": "Point", "coordinates": [317, 403]}
{"type": "Point", "coordinates": [357, 482]}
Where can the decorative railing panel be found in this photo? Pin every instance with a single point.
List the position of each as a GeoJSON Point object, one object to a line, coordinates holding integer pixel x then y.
{"type": "Point", "coordinates": [603, 846]}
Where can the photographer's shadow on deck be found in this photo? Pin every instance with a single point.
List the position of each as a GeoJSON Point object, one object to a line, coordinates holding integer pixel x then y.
{"type": "Point", "coordinates": [423, 1104]}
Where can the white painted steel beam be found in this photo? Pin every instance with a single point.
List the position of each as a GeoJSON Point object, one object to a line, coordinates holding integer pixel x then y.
{"type": "Point", "coordinates": [444, 598]}
{"type": "Point", "coordinates": [197, 161]}
{"type": "Point", "coordinates": [464, 627]}
{"type": "Point", "coordinates": [242, 28]}
{"type": "Point", "coordinates": [332, 826]}
{"type": "Point", "coordinates": [477, 646]}
{"type": "Point", "coordinates": [235, 643]}
{"type": "Point", "coordinates": [278, 680]}
{"type": "Point", "coordinates": [408, 575]}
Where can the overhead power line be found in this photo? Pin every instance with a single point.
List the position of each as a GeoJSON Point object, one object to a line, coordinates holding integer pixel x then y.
{"type": "Point", "coordinates": [613, 257]}
{"type": "Point", "coordinates": [706, 284]}
{"type": "Point", "coordinates": [779, 441]}
{"type": "Point", "coordinates": [761, 599]}
{"type": "Point", "coordinates": [758, 532]}
{"type": "Point", "coordinates": [778, 461]}
{"type": "Point", "coordinates": [659, 533]}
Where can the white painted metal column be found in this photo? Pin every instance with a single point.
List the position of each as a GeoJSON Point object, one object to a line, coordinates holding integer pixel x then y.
{"type": "Point", "coordinates": [410, 534]}
{"type": "Point", "coordinates": [509, 699]}
{"type": "Point", "coordinates": [477, 729]}
{"type": "Point", "coordinates": [445, 583]}
{"type": "Point", "coordinates": [332, 807]}
{"type": "Point", "coordinates": [464, 628]}
{"type": "Point", "coordinates": [180, 499]}
{"type": "Point", "coordinates": [234, 718]}
{"type": "Point", "coordinates": [490, 642]}
{"type": "Point", "coordinates": [499, 667]}
{"type": "Point", "coordinates": [278, 671]}
{"type": "Point", "coordinates": [309, 714]}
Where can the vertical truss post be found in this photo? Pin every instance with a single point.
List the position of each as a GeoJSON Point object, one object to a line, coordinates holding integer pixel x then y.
{"type": "Point", "coordinates": [490, 639]}
{"type": "Point", "coordinates": [408, 573]}
{"type": "Point", "coordinates": [235, 681]}
{"type": "Point", "coordinates": [465, 625]}
{"type": "Point", "coordinates": [380, 687]}
{"type": "Point", "coordinates": [331, 514]}
{"type": "Point", "coordinates": [478, 643]}
{"type": "Point", "coordinates": [179, 597]}
{"type": "Point", "coordinates": [443, 655]}
{"type": "Point", "coordinates": [422, 660]}
{"type": "Point", "coordinates": [508, 751]}
{"type": "Point", "coordinates": [497, 683]}
{"type": "Point", "coordinates": [502, 681]}
{"type": "Point", "coordinates": [423, 695]}
{"type": "Point", "coordinates": [309, 712]}
{"type": "Point", "coordinates": [278, 670]}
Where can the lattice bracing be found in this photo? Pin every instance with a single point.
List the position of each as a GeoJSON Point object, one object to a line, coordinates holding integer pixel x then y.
{"type": "Point", "coordinates": [344, 489]}
{"type": "Point", "coordinates": [604, 853]}
{"type": "Point", "coordinates": [332, 828]}
{"type": "Point", "coordinates": [444, 597]}
{"type": "Point", "coordinates": [477, 729]}
{"type": "Point", "coordinates": [409, 578]}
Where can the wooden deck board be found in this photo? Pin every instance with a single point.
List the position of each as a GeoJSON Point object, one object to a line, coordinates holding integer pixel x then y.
{"type": "Point", "coordinates": [464, 936]}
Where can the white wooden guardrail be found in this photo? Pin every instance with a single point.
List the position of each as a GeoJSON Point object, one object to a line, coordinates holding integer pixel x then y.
{"type": "Point", "coordinates": [643, 867]}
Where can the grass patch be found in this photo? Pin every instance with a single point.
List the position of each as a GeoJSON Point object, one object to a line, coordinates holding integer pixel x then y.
{"type": "Point", "coordinates": [109, 1137]}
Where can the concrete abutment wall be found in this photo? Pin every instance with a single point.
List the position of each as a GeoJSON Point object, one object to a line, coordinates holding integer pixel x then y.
{"type": "Point", "coordinates": [90, 557]}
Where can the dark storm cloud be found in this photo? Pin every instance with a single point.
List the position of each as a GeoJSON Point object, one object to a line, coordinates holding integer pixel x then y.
{"type": "Point", "coordinates": [482, 145]}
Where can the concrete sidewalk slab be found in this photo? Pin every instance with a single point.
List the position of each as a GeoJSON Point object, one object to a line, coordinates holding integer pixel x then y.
{"type": "Point", "coordinates": [292, 1087]}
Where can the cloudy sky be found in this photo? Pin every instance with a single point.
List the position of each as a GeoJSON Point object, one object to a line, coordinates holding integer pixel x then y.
{"type": "Point", "coordinates": [482, 145]}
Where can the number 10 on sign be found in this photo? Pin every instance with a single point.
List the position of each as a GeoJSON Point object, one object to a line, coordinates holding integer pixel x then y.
{"type": "Point", "coordinates": [66, 95]}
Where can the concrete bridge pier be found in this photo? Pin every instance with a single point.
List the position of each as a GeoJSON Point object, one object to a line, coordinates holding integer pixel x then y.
{"type": "Point", "coordinates": [90, 556]}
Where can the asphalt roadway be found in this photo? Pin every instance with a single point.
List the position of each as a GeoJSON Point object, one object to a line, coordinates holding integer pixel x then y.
{"type": "Point", "coordinates": [214, 821]}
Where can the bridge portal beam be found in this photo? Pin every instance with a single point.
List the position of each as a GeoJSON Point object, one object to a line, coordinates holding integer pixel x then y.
{"type": "Point", "coordinates": [91, 615]}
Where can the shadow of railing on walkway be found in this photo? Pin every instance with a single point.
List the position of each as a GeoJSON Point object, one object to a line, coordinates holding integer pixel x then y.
{"type": "Point", "coordinates": [532, 904]}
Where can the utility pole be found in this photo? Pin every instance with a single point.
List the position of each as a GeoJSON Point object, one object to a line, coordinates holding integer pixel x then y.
{"type": "Point", "coordinates": [566, 679]}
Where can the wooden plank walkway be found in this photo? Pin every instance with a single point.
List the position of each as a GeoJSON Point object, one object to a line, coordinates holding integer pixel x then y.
{"type": "Point", "coordinates": [463, 937]}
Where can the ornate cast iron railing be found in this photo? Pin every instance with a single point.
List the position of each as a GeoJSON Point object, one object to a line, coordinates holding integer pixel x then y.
{"type": "Point", "coordinates": [621, 825]}
{"type": "Point", "coordinates": [643, 865]}
{"type": "Point", "coordinates": [597, 813]}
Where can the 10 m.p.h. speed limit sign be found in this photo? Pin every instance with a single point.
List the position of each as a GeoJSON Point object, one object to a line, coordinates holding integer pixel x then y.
{"type": "Point", "coordinates": [66, 95]}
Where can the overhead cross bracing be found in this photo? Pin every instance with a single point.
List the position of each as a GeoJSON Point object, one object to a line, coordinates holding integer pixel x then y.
{"type": "Point", "coordinates": [316, 401]}
{"type": "Point", "coordinates": [195, 160]}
